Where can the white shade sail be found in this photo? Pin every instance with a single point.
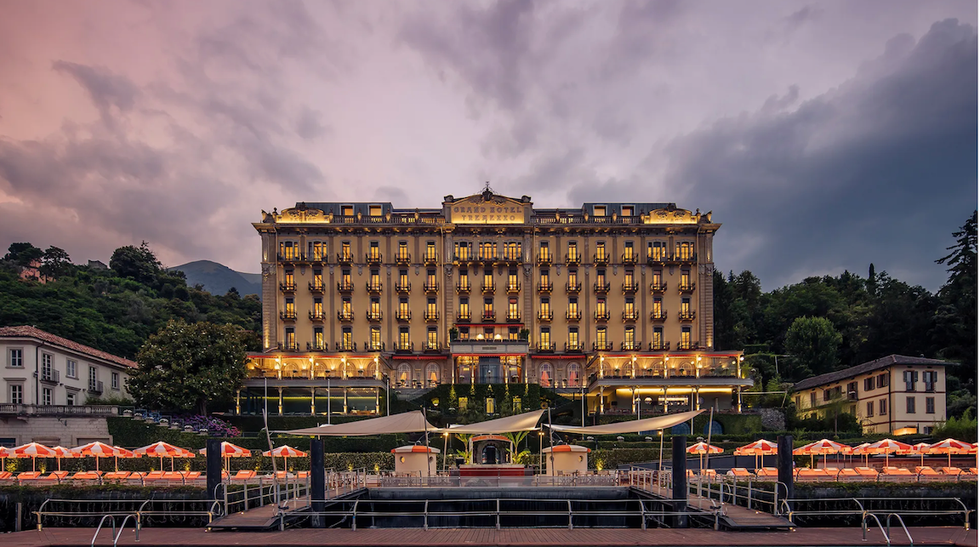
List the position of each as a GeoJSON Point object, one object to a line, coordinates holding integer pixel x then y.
{"type": "Point", "coordinates": [520, 422]}
{"type": "Point", "coordinates": [632, 426]}
{"type": "Point", "coordinates": [408, 422]}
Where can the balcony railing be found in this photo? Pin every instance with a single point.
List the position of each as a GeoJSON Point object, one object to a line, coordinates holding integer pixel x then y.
{"type": "Point", "coordinates": [430, 258]}
{"type": "Point", "coordinates": [630, 346]}
{"type": "Point", "coordinates": [288, 346]}
{"type": "Point", "coordinates": [659, 346]}
{"type": "Point", "coordinates": [51, 376]}
{"type": "Point", "coordinates": [658, 315]}
{"type": "Point", "coordinates": [545, 347]}
{"type": "Point", "coordinates": [513, 316]}
{"type": "Point", "coordinates": [512, 257]}
{"type": "Point", "coordinates": [318, 316]}
{"type": "Point", "coordinates": [431, 316]}
{"type": "Point", "coordinates": [346, 346]}
{"type": "Point", "coordinates": [544, 259]}
{"type": "Point", "coordinates": [375, 315]}
{"type": "Point", "coordinates": [600, 287]}
{"type": "Point", "coordinates": [463, 287]}
{"type": "Point", "coordinates": [631, 315]}
{"type": "Point", "coordinates": [658, 287]}
{"type": "Point", "coordinates": [374, 346]}
{"type": "Point", "coordinates": [80, 410]}
{"type": "Point", "coordinates": [431, 287]}
{"type": "Point", "coordinates": [573, 258]}
{"type": "Point", "coordinates": [546, 287]}
{"type": "Point", "coordinates": [489, 288]}
{"type": "Point", "coordinates": [432, 345]}
{"type": "Point", "coordinates": [291, 257]}
{"type": "Point", "coordinates": [316, 286]}
{"type": "Point", "coordinates": [602, 315]}
{"type": "Point", "coordinates": [686, 315]}
{"type": "Point", "coordinates": [287, 287]}
{"type": "Point", "coordinates": [686, 287]}
{"type": "Point", "coordinates": [630, 288]}
{"type": "Point", "coordinates": [463, 257]}
{"type": "Point", "coordinates": [688, 346]}
{"type": "Point", "coordinates": [374, 287]}
{"type": "Point", "coordinates": [316, 346]}
{"type": "Point", "coordinates": [345, 286]}
{"type": "Point", "coordinates": [602, 346]}
{"type": "Point", "coordinates": [488, 258]}
{"type": "Point", "coordinates": [574, 346]}
{"type": "Point", "coordinates": [513, 288]}
{"type": "Point", "coordinates": [546, 315]}
{"type": "Point", "coordinates": [667, 259]}
{"type": "Point", "coordinates": [403, 288]}
{"type": "Point", "coordinates": [575, 315]}
{"type": "Point", "coordinates": [403, 258]}
{"type": "Point", "coordinates": [404, 347]}
{"type": "Point", "coordinates": [629, 258]}
{"type": "Point", "coordinates": [489, 316]}
{"type": "Point", "coordinates": [97, 387]}
{"type": "Point", "coordinates": [600, 259]}
{"type": "Point", "coordinates": [462, 316]}
{"type": "Point", "coordinates": [345, 316]}
{"type": "Point", "coordinates": [372, 258]}
{"type": "Point", "coordinates": [287, 315]}
{"type": "Point", "coordinates": [345, 258]}
{"type": "Point", "coordinates": [403, 315]}
{"type": "Point", "coordinates": [573, 288]}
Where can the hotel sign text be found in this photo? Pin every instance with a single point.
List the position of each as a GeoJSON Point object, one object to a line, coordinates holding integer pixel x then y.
{"type": "Point", "coordinates": [497, 211]}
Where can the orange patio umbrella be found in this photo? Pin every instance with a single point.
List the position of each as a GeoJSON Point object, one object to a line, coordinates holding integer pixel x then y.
{"type": "Point", "coordinates": [861, 450]}
{"type": "Point", "coordinates": [62, 452]}
{"type": "Point", "coordinates": [284, 452]}
{"type": "Point", "coordinates": [759, 448]}
{"type": "Point", "coordinates": [703, 448]}
{"type": "Point", "coordinates": [949, 447]}
{"type": "Point", "coordinates": [96, 450]}
{"type": "Point", "coordinates": [32, 451]}
{"type": "Point", "coordinates": [822, 447]}
{"type": "Point", "coordinates": [886, 447]}
{"type": "Point", "coordinates": [164, 450]}
{"type": "Point", "coordinates": [229, 450]}
{"type": "Point", "coordinates": [917, 450]}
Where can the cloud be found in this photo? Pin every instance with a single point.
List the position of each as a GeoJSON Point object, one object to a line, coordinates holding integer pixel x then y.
{"type": "Point", "coordinates": [106, 89]}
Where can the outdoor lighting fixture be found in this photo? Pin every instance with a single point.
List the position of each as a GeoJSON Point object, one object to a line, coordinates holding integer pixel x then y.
{"type": "Point", "coordinates": [479, 336]}
{"type": "Point", "coordinates": [498, 337]}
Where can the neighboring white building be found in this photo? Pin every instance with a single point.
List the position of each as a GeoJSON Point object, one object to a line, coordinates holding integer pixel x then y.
{"type": "Point", "coordinates": [42, 369]}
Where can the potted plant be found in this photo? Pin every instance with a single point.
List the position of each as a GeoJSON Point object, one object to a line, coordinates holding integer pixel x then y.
{"type": "Point", "coordinates": [453, 334]}
{"type": "Point", "coordinates": [523, 335]}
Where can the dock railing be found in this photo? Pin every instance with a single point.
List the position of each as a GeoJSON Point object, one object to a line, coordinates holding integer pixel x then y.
{"type": "Point", "coordinates": [856, 507]}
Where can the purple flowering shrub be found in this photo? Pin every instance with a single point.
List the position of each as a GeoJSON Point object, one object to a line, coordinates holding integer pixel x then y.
{"type": "Point", "coordinates": [216, 426]}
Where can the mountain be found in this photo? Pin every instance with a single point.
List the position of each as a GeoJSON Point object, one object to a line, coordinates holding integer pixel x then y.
{"type": "Point", "coordinates": [218, 278]}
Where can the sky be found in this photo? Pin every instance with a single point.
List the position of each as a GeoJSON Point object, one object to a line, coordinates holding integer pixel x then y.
{"type": "Point", "coordinates": [823, 135]}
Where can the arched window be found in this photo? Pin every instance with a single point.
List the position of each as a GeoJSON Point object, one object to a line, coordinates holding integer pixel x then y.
{"type": "Point", "coordinates": [404, 375]}
{"type": "Point", "coordinates": [432, 374]}
{"type": "Point", "coordinates": [574, 374]}
{"type": "Point", "coordinates": [546, 376]}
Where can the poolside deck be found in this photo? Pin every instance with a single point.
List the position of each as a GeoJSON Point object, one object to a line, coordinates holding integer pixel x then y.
{"type": "Point", "coordinates": [64, 537]}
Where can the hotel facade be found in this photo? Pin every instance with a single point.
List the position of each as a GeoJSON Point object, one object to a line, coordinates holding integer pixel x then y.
{"type": "Point", "coordinates": [611, 301]}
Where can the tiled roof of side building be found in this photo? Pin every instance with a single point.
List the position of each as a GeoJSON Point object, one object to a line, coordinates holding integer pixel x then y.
{"type": "Point", "coordinates": [863, 368]}
{"type": "Point", "coordinates": [33, 332]}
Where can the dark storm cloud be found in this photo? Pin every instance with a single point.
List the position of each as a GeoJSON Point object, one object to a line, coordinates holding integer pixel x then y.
{"type": "Point", "coordinates": [880, 170]}
{"type": "Point", "coordinates": [106, 89]}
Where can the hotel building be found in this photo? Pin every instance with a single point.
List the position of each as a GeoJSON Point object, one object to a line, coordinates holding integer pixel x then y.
{"type": "Point", "coordinates": [894, 395]}
{"type": "Point", "coordinates": [610, 300]}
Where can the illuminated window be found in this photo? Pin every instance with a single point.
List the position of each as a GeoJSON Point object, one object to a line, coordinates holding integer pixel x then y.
{"type": "Point", "coordinates": [600, 336]}
{"type": "Point", "coordinates": [573, 255]}
{"type": "Point", "coordinates": [573, 306]}
{"type": "Point", "coordinates": [599, 210]}
{"type": "Point", "coordinates": [287, 279]}
{"type": "Point", "coordinates": [463, 402]}
{"type": "Point", "coordinates": [573, 337]}
{"type": "Point", "coordinates": [462, 250]}
{"type": "Point", "coordinates": [430, 250]}
{"type": "Point", "coordinates": [318, 337]}
{"type": "Point", "coordinates": [374, 210]}
{"type": "Point", "coordinates": [685, 250]}
{"type": "Point", "coordinates": [318, 250]}
{"type": "Point", "coordinates": [347, 210]}
{"type": "Point", "coordinates": [374, 251]}
{"type": "Point", "coordinates": [628, 249]}
{"type": "Point", "coordinates": [347, 338]}
{"type": "Point", "coordinates": [318, 307]}
{"type": "Point", "coordinates": [600, 250]}
{"type": "Point", "coordinates": [491, 405]}
{"type": "Point", "coordinates": [402, 250]}
{"type": "Point", "coordinates": [658, 337]}
{"type": "Point", "coordinates": [375, 338]}
{"type": "Point", "coordinates": [656, 250]}
{"type": "Point", "coordinates": [464, 307]}
{"type": "Point", "coordinates": [488, 307]}
{"type": "Point", "coordinates": [685, 337]}
{"type": "Point", "coordinates": [630, 337]}
{"type": "Point", "coordinates": [544, 339]}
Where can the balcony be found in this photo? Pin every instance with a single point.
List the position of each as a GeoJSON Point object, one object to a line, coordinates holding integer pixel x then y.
{"type": "Point", "coordinates": [600, 259]}
{"type": "Point", "coordinates": [291, 257]}
{"type": "Point", "coordinates": [602, 346]}
{"type": "Point", "coordinates": [374, 315]}
{"type": "Point", "coordinates": [513, 317]}
{"type": "Point", "coordinates": [462, 257]}
{"type": "Point", "coordinates": [374, 287]}
{"type": "Point", "coordinates": [316, 287]}
{"type": "Point", "coordinates": [431, 287]}
{"type": "Point", "coordinates": [545, 347]}
{"type": "Point", "coordinates": [658, 315]}
{"type": "Point", "coordinates": [544, 259]}
{"type": "Point", "coordinates": [403, 259]}
{"type": "Point", "coordinates": [546, 315]}
{"type": "Point", "coordinates": [574, 347]}
{"type": "Point", "coordinates": [403, 315]}
{"type": "Point", "coordinates": [287, 315]}
{"type": "Point", "coordinates": [403, 287]}
{"type": "Point", "coordinates": [372, 258]}
{"type": "Point", "coordinates": [573, 288]}
{"type": "Point", "coordinates": [573, 315]}
{"type": "Point", "coordinates": [404, 347]}
{"type": "Point", "coordinates": [630, 288]}
{"type": "Point", "coordinates": [345, 258]}
{"type": "Point", "coordinates": [631, 315]}
{"type": "Point", "coordinates": [463, 288]}
{"type": "Point", "coordinates": [513, 288]}
{"type": "Point", "coordinates": [602, 315]}
{"type": "Point", "coordinates": [630, 346]}
{"type": "Point", "coordinates": [600, 287]}
{"type": "Point", "coordinates": [96, 387]}
{"type": "Point", "coordinates": [431, 316]}
{"type": "Point", "coordinates": [50, 376]}
{"type": "Point", "coordinates": [319, 256]}
{"type": "Point", "coordinates": [487, 258]}
{"type": "Point", "coordinates": [658, 287]}
{"type": "Point", "coordinates": [489, 288]}
{"type": "Point", "coordinates": [462, 316]}
{"type": "Point", "coordinates": [345, 287]}
{"type": "Point", "coordinates": [430, 258]}
{"type": "Point", "coordinates": [688, 346]}
{"type": "Point", "coordinates": [288, 346]}
{"type": "Point", "coordinates": [488, 346]}
{"type": "Point", "coordinates": [287, 287]}
{"type": "Point", "coordinates": [659, 346]}
{"type": "Point", "coordinates": [431, 346]}
{"type": "Point", "coordinates": [686, 287]}
{"type": "Point", "coordinates": [317, 316]}
{"type": "Point", "coordinates": [374, 346]}
{"type": "Point", "coordinates": [489, 316]}
{"type": "Point", "coordinates": [686, 315]}
{"type": "Point", "coordinates": [512, 257]}
{"type": "Point", "coordinates": [346, 346]}
{"type": "Point", "coordinates": [546, 288]}
{"type": "Point", "coordinates": [345, 316]}
{"type": "Point", "coordinates": [316, 346]}
{"type": "Point", "coordinates": [573, 258]}
{"type": "Point", "coordinates": [629, 258]}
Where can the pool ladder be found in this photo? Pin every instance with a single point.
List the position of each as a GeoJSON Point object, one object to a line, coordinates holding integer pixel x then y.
{"type": "Point", "coordinates": [115, 535]}
{"type": "Point", "coordinates": [886, 530]}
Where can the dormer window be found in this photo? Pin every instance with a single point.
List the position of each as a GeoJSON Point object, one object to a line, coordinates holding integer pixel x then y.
{"type": "Point", "coordinates": [374, 210]}
{"type": "Point", "coordinates": [627, 210]}
{"type": "Point", "coordinates": [347, 210]}
{"type": "Point", "coordinates": [599, 210]}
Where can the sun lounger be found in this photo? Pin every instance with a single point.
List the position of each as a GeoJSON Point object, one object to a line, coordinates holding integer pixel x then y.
{"type": "Point", "coordinates": [739, 473]}
{"type": "Point", "coordinates": [29, 476]}
{"type": "Point", "coordinates": [55, 476]}
{"type": "Point", "coordinates": [116, 476]}
{"type": "Point", "coordinates": [306, 474]}
{"type": "Point", "coordinates": [867, 473]}
{"type": "Point", "coordinates": [830, 472]}
{"type": "Point", "coordinates": [896, 474]}
{"type": "Point", "coordinates": [928, 474]}
{"type": "Point", "coordinates": [191, 476]}
{"type": "Point", "coordinates": [967, 474]}
{"type": "Point", "coordinates": [85, 476]}
{"type": "Point", "coordinates": [952, 471]}
{"type": "Point", "coordinates": [806, 474]}
{"type": "Point", "coordinates": [849, 475]}
{"type": "Point", "coordinates": [6, 476]}
{"type": "Point", "coordinates": [767, 473]}
{"type": "Point", "coordinates": [282, 475]}
{"type": "Point", "coordinates": [244, 475]}
{"type": "Point", "coordinates": [174, 477]}
{"type": "Point", "coordinates": [153, 476]}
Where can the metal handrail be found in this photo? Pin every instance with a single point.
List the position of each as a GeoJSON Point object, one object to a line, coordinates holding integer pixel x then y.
{"type": "Point", "coordinates": [864, 527]}
{"type": "Point", "coordinates": [888, 526]}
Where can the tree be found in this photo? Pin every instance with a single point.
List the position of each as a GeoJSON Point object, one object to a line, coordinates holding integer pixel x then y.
{"type": "Point", "coordinates": [813, 343]}
{"type": "Point", "coordinates": [55, 262]}
{"type": "Point", "coordinates": [23, 254]}
{"type": "Point", "coordinates": [956, 318]}
{"type": "Point", "coordinates": [136, 263]}
{"type": "Point", "coordinates": [186, 366]}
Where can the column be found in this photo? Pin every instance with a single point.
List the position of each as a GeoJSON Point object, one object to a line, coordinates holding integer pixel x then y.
{"type": "Point", "coordinates": [345, 400]}
{"type": "Point", "coordinates": [280, 401]}
{"type": "Point", "coordinates": [312, 401]}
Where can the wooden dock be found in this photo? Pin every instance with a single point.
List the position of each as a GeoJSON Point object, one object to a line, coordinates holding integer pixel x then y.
{"type": "Point", "coordinates": [733, 516]}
